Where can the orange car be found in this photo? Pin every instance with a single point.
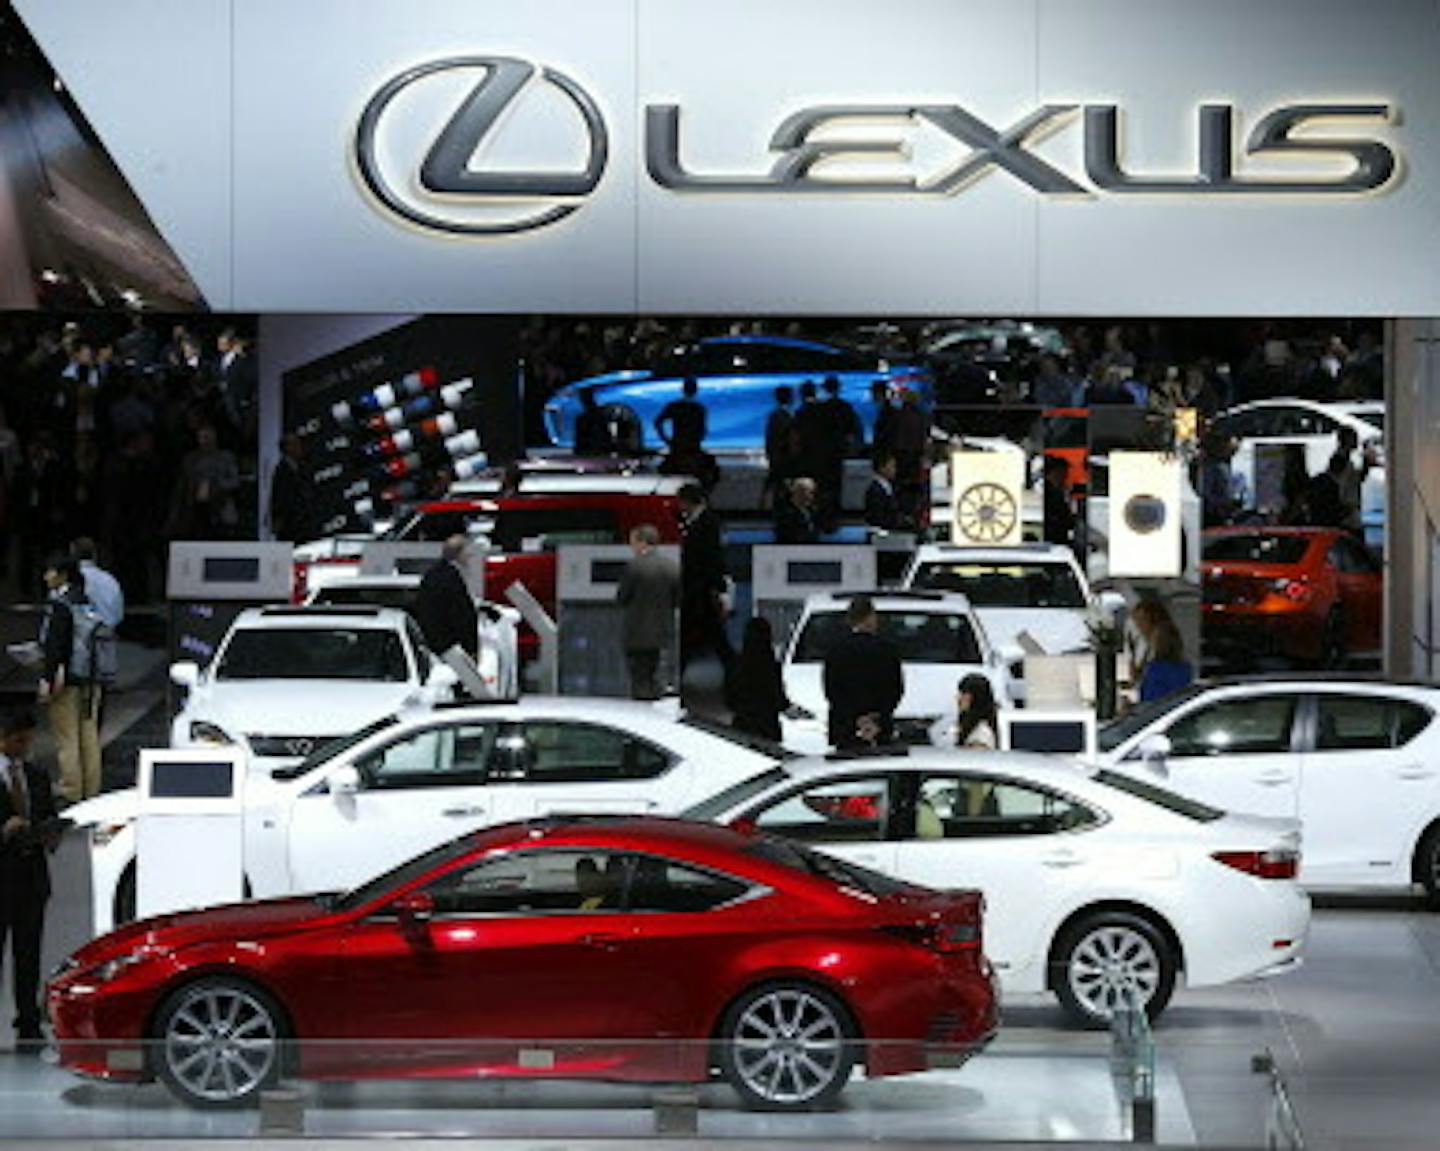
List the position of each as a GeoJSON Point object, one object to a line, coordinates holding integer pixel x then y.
{"type": "Point", "coordinates": [1307, 594]}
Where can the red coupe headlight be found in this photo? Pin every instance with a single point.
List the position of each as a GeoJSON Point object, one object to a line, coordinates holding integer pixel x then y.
{"type": "Point", "coordinates": [1277, 863]}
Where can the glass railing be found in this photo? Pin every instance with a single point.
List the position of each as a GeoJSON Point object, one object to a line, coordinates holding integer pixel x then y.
{"type": "Point", "coordinates": [1036, 1082]}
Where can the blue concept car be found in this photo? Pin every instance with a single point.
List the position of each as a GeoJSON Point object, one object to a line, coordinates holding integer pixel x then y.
{"type": "Point", "coordinates": [737, 378]}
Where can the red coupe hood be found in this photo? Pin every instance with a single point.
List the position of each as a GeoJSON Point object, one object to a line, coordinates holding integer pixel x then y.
{"type": "Point", "coordinates": [233, 921]}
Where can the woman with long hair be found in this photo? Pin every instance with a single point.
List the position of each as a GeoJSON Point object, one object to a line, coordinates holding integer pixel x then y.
{"type": "Point", "coordinates": [754, 689]}
{"type": "Point", "coordinates": [976, 724]}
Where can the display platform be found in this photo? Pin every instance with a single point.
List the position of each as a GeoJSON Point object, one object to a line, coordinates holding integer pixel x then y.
{"type": "Point", "coordinates": [1013, 1093]}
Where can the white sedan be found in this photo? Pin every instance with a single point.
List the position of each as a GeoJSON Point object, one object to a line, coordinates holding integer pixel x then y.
{"type": "Point", "coordinates": [286, 680]}
{"type": "Point", "coordinates": [939, 640]}
{"type": "Point", "coordinates": [1094, 882]}
{"type": "Point", "coordinates": [1357, 761]}
{"type": "Point", "coordinates": [407, 783]}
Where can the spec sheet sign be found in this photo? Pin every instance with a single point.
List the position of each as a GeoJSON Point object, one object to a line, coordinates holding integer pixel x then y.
{"type": "Point", "coordinates": [986, 491]}
{"type": "Point", "coordinates": [1035, 156]}
{"type": "Point", "coordinates": [1145, 514]}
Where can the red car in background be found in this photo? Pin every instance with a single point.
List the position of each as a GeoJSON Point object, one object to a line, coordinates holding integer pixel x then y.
{"type": "Point", "coordinates": [619, 948]}
{"type": "Point", "coordinates": [1312, 595]}
{"type": "Point", "coordinates": [522, 530]}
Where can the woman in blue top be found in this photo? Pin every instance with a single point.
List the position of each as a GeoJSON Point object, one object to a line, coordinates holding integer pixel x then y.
{"type": "Point", "coordinates": [1165, 669]}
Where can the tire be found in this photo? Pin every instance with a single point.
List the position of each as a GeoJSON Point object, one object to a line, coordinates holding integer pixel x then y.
{"type": "Point", "coordinates": [218, 1043]}
{"type": "Point", "coordinates": [124, 909]}
{"type": "Point", "coordinates": [1102, 953]}
{"type": "Point", "coordinates": [787, 1047]}
{"type": "Point", "coordinates": [1427, 866]}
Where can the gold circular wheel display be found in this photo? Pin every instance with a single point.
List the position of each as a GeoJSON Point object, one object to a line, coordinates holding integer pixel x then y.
{"type": "Point", "coordinates": [985, 513]}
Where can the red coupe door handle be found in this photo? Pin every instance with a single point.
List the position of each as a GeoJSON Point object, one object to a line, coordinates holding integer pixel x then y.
{"type": "Point", "coordinates": [600, 941]}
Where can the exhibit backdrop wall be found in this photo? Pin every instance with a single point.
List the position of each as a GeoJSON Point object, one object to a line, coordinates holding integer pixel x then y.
{"type": "Point", "coordinates": [1039, 157]}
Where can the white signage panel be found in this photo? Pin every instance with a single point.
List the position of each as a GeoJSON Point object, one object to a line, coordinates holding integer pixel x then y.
{"type": "Point", "coordinates": [986, 493]}
{"type": "Point", "coordinates": [1145, 514]}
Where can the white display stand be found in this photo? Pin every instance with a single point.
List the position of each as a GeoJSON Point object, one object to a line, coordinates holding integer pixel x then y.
{"type": "Point", "coordinates": [189, 836]}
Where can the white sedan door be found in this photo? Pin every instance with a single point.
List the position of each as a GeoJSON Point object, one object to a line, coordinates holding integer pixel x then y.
{"type": "Point", "coordinates": [546, 766]}
{"type": "Point", "coordinates": [422, 790]}
{"type": "Point", "coordinates": [1238, 754]}
{"type": "Point", "coordinates": [1368, 781]}
{"type": "Point", "coordinates": [1023, 846]}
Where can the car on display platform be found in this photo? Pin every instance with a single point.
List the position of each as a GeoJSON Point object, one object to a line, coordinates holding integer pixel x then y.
{"type": "Point", "coordinates": [1096, 884]}
{"type": "Point", "coordinates": [939, 639]}
{"type": "Point", "coordinates": [1036, 589]}
{"type": "Point", "coordinates": [737, 378]}
{"type": "Point", "coordinates": [497, 640]}
{"type": "Point", "coordinates": [407, 782]}
{"type": "Point", "coordinates": [1314, 427]}
{"type": "Point", "coordinates": [1309, 595]}
{"type": "Point", "coordinates": [550, 949]}
{"type": "Point", "coordinates": [1356, 760]}
{"type": "Point", "coordinates": [286, 680]}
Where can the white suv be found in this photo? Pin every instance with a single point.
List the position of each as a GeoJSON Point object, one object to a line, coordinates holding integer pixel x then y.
{"type": "Point", "coordinates": [286, 680]}
{"type": "Point", "coordinates": [1039, 589]}
{"type": "Point", "coordinates": [940, 642]}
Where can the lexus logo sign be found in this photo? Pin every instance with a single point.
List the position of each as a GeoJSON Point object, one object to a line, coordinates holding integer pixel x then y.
{"type": "Point", "coordinates": [440, 187]}
{"type": "Point", "coordinates": [426, 142]}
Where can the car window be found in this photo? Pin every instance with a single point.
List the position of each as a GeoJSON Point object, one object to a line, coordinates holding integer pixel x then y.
{"type": "Point", "coordinates": [341, 653]}
{"type": "Point", "coordinates": [1183, 806]}
{"type": "Point", "coordinates": [1235, 727]}
{"type": "Point", "coordinates": [975, 806]}
{"type": "Point", "coordinates": [1349, 556]}
{"type": "Point", "coordinates": [436, 757]}
{"type": "Point", "coordinates": [850, 810]}
{"type": "Point", "coordinates": [1356, 723]}
{"type": "Point", "coordinates": [1299, 422]}
{"type": "Point", "coordinates": [663, 885]}
{"type": "Point", "coordinates": [558, 751]}
{"type": "Point", "coordinates": [534, 883]}
{"type": "Point", "coordinates": [1255, 548]}
{"type": "Point", "coordinates": [920, 636]}
{"type": "Point", "coordinates": [995, 584]}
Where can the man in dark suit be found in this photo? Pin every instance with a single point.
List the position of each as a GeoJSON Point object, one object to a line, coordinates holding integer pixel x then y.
{"type": "Point", "coordinates": [864, 681]}
{"type": "Point", "coordinates": [444, 607]}
{"type": "Point", "coordinates": [27, 835]}
{"type": "Point", "coordinates": [702, 579]}
{"type": "Point", "coordinates": [291, 518]}
{"type": "Point", "coordinates": [882, 508]}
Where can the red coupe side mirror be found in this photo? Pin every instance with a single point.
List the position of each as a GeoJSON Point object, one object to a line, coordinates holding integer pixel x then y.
{"type": "Point", "coordinates": [744, 825]}
{"type": "Point", "coordinates": [414, 908]}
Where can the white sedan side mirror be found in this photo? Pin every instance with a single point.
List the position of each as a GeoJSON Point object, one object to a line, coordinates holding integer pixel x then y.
{"type": "Point", "coordinates": [344, 781]}
{"type": "Point", "coordinates": [1153, 751]}
{"type": "Point", "coordinates": [185, 674]}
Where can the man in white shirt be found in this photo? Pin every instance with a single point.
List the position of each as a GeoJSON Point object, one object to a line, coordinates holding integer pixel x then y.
{"type": "Point", "coordinates": [102, 589]}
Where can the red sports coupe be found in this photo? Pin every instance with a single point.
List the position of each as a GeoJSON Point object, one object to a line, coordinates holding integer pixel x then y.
{"type": "Point", "coordinates": [622, 948]}
{"type": "Point", "coordinates": [1311, 595]}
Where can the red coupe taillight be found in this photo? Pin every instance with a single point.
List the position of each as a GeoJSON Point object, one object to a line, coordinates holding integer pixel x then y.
{"type": "Point", "coordinates": [300, 582]}
{"type": "Point", "coordinates": [943, 937]}
{"type": "Point", "coordinates": [1277, 863]}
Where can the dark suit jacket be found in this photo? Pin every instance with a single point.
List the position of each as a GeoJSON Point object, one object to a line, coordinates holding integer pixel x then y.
{"type": "Point", "coordinates": [446, 612]}
{"type": "Point", "coordinates": [703, 559]}
{"type": "Point", "coordinates": [795, 525]}
{"type": "Point", "coordinates": [24, 868]}
{"type": "Point", "coordinates": [290, 517]}
{"type": "Point", "coordinates": [863, 676]}
{"type": "Point", "coordinates": [882, 509]}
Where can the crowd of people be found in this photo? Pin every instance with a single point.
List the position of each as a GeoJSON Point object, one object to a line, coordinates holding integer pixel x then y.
{"type": "Point", "coordinates": [131, 431]}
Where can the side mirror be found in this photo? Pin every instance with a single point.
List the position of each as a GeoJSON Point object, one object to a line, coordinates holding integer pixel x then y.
{"type": "Point", "coordinates": [345, 781]}
{"type": "Point", "coordinates": [1006, 654]}
{"type": "Point", "coordinates": [1153, 751]}
{"type": "Point", "coordinates": [1111, 604]}
{"type": "Point", "coordinates": [744, 825]}
{"type": "Point", "coordinates": [442, 678]}
{"type": "Point", "coordinates": [185, 674]}
{"type": "Point", "coordinates": [414, 908]}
